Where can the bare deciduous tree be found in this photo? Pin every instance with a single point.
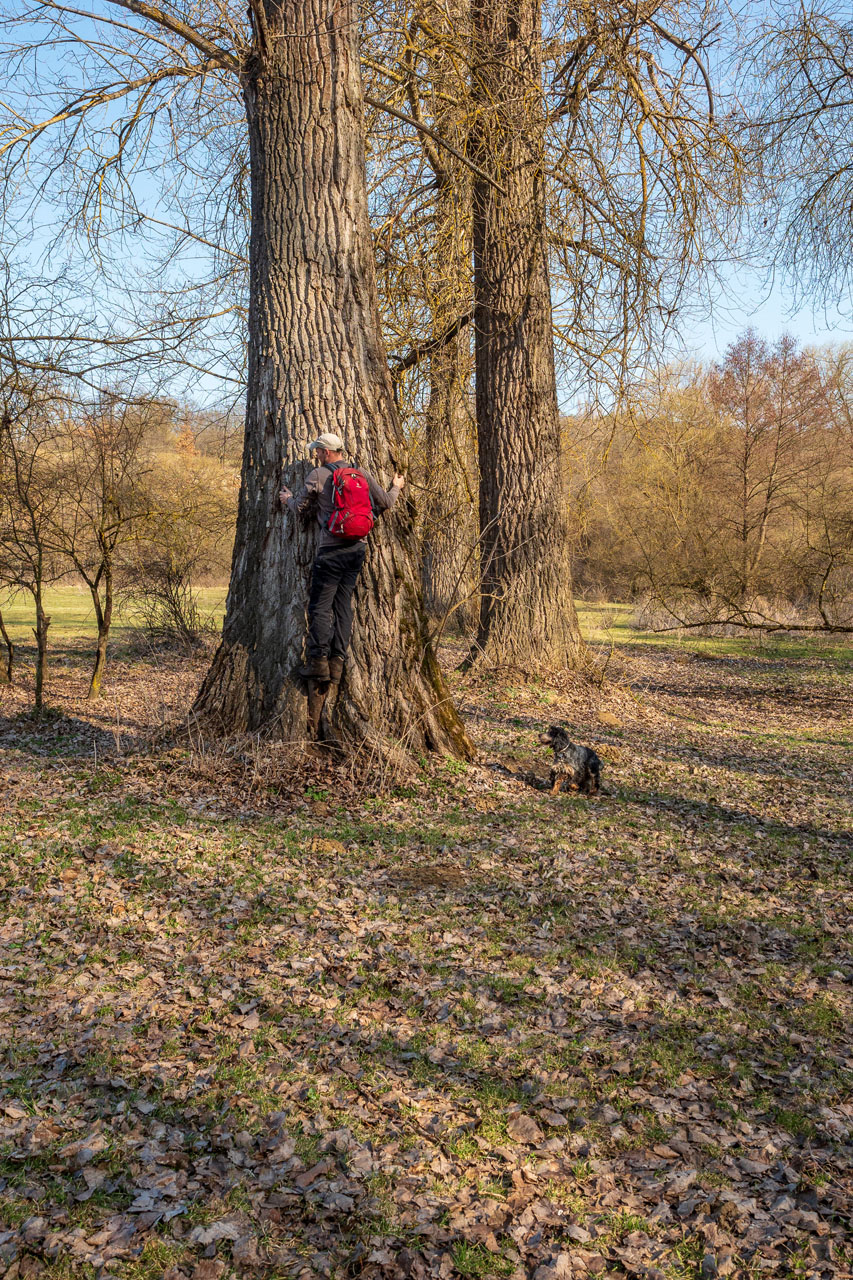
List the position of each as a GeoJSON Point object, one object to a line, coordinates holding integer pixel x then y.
{"type": "Point", "coordinates": [767, 398]}
{"type": "Point", "coordinates": [182, 538]}
{"type": "Point", "coordinates": [603, 167]}
{"type": "Point", "coordinates": [527, 610]}
{"type": "Point", "coordinates": [316, 361]}
{"type": "Point", "coordinates": [106, 450]}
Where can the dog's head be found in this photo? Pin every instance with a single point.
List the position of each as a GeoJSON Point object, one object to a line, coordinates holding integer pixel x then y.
{"type": "Point", "coordinates": [554, 737]}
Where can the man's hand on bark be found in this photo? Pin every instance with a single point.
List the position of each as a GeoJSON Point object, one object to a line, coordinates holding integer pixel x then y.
{"type": "Point", "coordinates": [398, 481]}
{"type": "Point", "coordinates": [284, 495]}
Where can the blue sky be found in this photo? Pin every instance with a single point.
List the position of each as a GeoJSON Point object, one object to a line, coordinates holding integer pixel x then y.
{"type": "Point", "coordinates": [771, 308]}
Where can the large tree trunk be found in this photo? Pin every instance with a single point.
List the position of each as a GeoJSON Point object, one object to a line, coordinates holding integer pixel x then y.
{"type": "Point", "coordinates": [527, 613]}
{"type": "Point", "coordinates": [316, 363]}
{"type": "Point", "coordinates": [450, 529]}
{"type": "Point", "coordinates": [450, 520]}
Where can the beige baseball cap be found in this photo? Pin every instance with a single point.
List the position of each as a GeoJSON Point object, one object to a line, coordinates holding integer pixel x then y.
{"type": "Point", "coordinates": [328, 440]}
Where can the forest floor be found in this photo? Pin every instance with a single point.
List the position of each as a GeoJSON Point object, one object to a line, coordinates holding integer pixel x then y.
{"type": "Point", "coordinates": [261, 1022]}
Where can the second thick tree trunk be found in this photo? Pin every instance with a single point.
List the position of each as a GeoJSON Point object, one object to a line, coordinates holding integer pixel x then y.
{"type": "Point", "coordinates": [316, 363]}
{"type": "Point", "coordinates": [449, 545]}
{"type": "Point", "coordinates": [527, 613]}
{"type": "Point", "coordinates": [450, 518]}
{"type": "Point", "coordinates": [450, 532]}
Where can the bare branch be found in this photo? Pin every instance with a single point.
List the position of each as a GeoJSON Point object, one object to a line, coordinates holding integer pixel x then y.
{"type": "Point", "coordinates": [160, 17]}
{"type": "Point", "coordinates": [424, 349]}
{"type": "Point", "coordinates": [100, 97]}
{"type": "Point", "coordinates": [436, 138]}
{"type": "Point", "coordinates": [692, 53]}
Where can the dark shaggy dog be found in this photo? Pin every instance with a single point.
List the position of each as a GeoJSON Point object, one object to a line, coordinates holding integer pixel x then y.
{"type": "Point", "coordinates": [579, 766]}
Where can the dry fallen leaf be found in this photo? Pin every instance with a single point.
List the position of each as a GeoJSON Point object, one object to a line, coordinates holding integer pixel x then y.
{"type": "Point", "coordinates": [523, 1128]}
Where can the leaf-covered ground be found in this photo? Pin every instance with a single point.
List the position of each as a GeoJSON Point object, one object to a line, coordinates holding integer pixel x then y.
{"type": "Point", "coordinates": [259, 1022]}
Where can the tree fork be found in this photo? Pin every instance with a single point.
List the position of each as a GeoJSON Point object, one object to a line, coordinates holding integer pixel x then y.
{"type": "Point", "coordinates": [316, 363]}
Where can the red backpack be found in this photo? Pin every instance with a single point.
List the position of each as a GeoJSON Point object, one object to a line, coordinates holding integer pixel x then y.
{"type": "Point", "coordinates": [352, 510]}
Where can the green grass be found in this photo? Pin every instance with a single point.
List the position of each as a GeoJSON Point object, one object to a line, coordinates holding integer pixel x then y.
{"type": "Point", "coordinates": [157, 1256]}
{"type": "Point", "coordinates": [690, 1253]}
{"type": "Point", "coordinates": [72, 617]}
{"type": "Point", "coordinates": [603, 624]}
{"type": "Point", "coordinates": [474, 1260]}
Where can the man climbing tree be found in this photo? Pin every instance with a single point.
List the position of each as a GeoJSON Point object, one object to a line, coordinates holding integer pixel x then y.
{"type": "Point", "coordinates": [343, 500]}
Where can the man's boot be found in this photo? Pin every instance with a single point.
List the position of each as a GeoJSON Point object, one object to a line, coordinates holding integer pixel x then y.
{"type": "Point", "coordinates": [336, 669]}
{"type": "Point", "coordinates": [316, 668]}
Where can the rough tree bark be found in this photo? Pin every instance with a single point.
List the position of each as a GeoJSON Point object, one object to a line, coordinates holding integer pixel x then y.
{"type": "Point", "coordinates": [449, 543]}
{"type": "Point", "coordinates": [316, 363]}
{"type": "Point", "coordinates": [527, 612]}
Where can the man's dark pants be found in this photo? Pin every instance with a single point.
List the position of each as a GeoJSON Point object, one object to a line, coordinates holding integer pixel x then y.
{"type": "Point", "coordinates": [333, 580]}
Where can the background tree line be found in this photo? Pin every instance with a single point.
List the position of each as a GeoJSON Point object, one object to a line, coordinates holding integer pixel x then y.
{"type": "Point", "coordinates": [724, 495]}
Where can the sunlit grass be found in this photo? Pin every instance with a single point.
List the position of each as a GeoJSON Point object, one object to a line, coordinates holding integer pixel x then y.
{"type": "Point", "coordinates": [72, 616]}
{"type": "Point", "coordinates": [615, 623]}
